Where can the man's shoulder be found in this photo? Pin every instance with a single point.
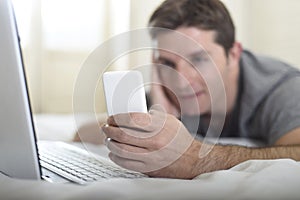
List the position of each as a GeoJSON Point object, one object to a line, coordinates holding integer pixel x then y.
{"type": "Point", "coordinates": [264, 65]}
{"type": "Point", "coordinates": [267, 87]}
{"type": "Point", "coordinates": [260, 75]}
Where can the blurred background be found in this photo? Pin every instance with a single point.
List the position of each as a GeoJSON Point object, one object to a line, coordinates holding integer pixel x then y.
{"type": "Point", "coordinates": [58, 35]}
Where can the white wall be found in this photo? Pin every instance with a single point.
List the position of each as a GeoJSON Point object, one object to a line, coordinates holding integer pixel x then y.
{"type": "Point", "coordinates": [269, 27]}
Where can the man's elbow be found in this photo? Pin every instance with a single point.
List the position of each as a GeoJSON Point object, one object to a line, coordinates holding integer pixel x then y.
{"type": "Point", "coordinates": [290, 138]}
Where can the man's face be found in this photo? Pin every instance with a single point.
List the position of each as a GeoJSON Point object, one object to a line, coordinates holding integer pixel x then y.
{"type": "Point", "coordinates": [194, 69]}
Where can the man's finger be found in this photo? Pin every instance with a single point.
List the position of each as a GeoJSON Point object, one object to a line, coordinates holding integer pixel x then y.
{"type": "Point", "coordinates": [130, 164]}
{"type": "Point", "coordinates": [127, 136]}
{"type": "Point", "coordinates": [147, 122]}
{"type": "Point", "coordinates": [127, 151]}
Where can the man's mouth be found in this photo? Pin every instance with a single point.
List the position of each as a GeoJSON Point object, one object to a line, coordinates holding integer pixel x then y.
{"type": "Point", "coordinates": [192, 95]}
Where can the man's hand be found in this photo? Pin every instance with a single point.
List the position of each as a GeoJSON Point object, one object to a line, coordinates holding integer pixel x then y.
{"type": "Point", "coordinates": [91, 132]}
{"type": "Point", "coordinates": [159, 145]}
{"type": "Point", "coordinates": [156, 144]}
{"type": "Point", "coordinates": [159, 97]}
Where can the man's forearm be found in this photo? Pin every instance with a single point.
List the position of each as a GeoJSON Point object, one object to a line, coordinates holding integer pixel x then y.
{"type": "Point", "coordinates": [276, 152]}
{"type": "Point", "coordinates": [224, 157]}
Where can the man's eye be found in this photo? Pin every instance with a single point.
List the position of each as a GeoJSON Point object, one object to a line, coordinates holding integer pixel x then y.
{"type": "Point", "coordinates": [168, 63]}
{"type": "Point", "coordinates": [197, 60]}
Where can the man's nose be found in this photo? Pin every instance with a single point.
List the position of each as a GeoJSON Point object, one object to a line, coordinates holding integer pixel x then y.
{"type": "Point", "coordinates": [185, 73]}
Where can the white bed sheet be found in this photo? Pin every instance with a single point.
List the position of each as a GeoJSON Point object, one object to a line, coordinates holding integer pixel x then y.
{"type": "Point", "coordinates": [254, 179]}
{"type": "Point", "coordinates": [276, 179]}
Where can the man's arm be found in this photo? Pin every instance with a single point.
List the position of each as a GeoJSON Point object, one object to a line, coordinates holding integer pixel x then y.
{"type": "Point", "coordinates": [290, 138]}
{"type": "Point", "coordinates": [159, 145]}
{"type": "Point", "coordinates": [225, 157]}
{"type": "Point", "coordinates": [90, 132]}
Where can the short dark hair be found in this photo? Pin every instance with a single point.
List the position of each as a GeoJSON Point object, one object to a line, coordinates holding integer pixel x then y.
{"type": "Point", "coordinates": [203, 14]}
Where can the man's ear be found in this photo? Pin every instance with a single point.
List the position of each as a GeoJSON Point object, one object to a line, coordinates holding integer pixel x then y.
{"type": "Point", "coordinates": [234, 54]}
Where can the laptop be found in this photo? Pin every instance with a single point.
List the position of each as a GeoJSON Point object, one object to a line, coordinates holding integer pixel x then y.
{"type": "Point", "coordinates": [21, 155]}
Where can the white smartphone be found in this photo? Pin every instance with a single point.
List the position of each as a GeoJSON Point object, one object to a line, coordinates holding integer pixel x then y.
{"type": "Point", "coordinates": [124, 92]}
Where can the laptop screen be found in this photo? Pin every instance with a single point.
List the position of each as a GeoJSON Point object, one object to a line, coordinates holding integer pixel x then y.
{"type": "Point", "coordinates": [18, 151]}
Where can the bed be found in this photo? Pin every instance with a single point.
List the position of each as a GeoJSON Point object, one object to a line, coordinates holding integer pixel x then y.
{"type": "Point", "coordinates": [253, 179]}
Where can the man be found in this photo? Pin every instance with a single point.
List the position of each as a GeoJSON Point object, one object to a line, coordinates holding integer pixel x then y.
{"type": "Point", "coordinates": [257, 98]}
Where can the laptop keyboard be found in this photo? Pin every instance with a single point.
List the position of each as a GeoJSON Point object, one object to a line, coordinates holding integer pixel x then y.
{"type": "Point", "coordinates": [78, 166]}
